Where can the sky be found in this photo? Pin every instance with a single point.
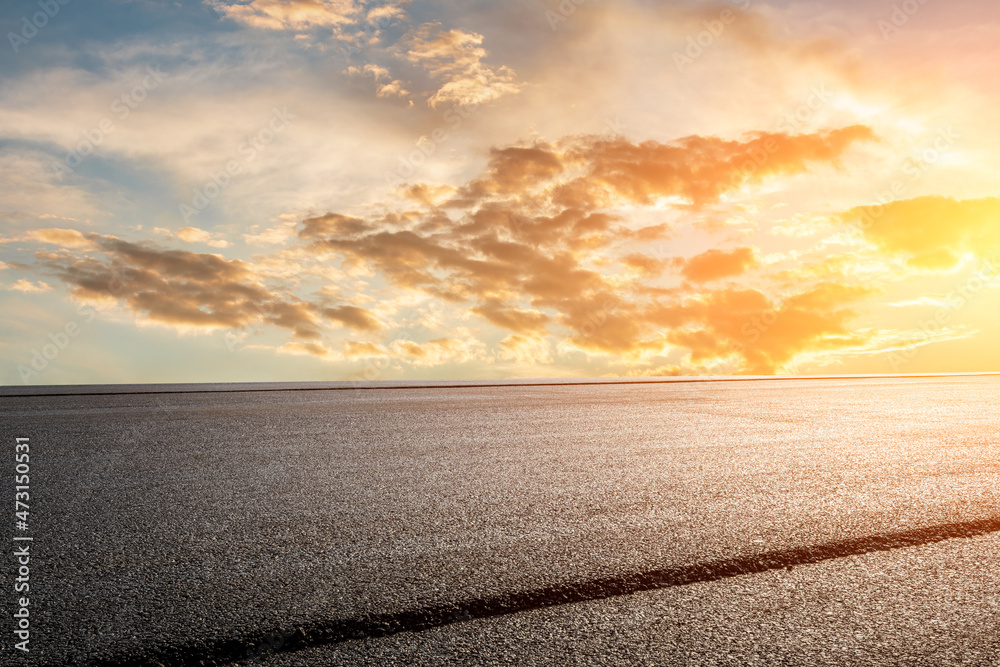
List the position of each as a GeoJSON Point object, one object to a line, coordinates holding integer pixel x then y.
{"type": "Point", "coordinates": [298, 190]}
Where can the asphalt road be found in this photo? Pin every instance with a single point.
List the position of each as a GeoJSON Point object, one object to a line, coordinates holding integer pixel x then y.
{"type": "Point", "coordinates": [928, 606]}
{"type": "Point", "coordinates": [634, 520]}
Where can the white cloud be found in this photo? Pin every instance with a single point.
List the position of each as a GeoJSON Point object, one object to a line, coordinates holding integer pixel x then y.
{"type": "Point", "coordinates": [526, 350]}
{"type": "Point", "coordinates": [278, 235]}
{"type": "Point", "coordinates": [194, 235]}
{"type": "Point", "coordinates": [455, 57]}
{"type": "Point", "coordinates": [26, 286]}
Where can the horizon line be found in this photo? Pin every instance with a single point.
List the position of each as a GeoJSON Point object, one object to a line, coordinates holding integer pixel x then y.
{"type": "Point", "coordinates": [347, 385]}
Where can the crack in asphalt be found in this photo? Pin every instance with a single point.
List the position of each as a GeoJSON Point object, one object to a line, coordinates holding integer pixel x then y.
{"type": "Point", "coordinates": [269, 643]}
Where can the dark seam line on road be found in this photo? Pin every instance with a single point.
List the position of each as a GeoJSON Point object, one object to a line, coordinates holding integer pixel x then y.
{"type": "Point", "coordinates": [500, 386]}
{"type": "Point", "coordinates": [263, 645]}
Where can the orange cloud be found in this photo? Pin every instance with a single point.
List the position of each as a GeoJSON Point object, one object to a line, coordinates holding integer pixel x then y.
{"type": "Point", "coordinates": [425, 194]}
{"type": "Point", "coordinates": [360, 349]}
{"type": "Point", "coordinates": [512, 319]}
{"type": "Point", "coordinates": [510, 271]}
{"type": "Point", "coordinates": [764, 336]}
{"type": "Point", "coordinates": [648, 265]}
{"type": "Point", "coordinates": [332, 224]}
{"type": "Point", "coordinates": [934, 231]}
{"type": "Point", "coordinates": [586, 173]}
{"type": "Point", "coordinates": [717, 264]}
{"type": "Point", "coordinates": [700, 169]}
{"type": "Point", "coordinates": [512, 247]}
{"type": "Point", "coordinates": [526, 246]}
{"type": "Point", "coordinates": [352, 317]}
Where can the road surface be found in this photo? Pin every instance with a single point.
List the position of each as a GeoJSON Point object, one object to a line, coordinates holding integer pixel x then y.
{"type": "Point", "coordinates": [846, 521]}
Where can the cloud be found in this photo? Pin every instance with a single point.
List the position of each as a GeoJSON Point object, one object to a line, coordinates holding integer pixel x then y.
{"type": "Point", "coordinates": [392, 88]}
{"type": "Point", "coordinates": [759, 34]}
{"type": "Point", "coordinates": [278, 235]}
{"type": "Point", "coordinates": [363, 350]}
{"type": "Point", "coordinates": [386, 12]}
{"type": "Point", "coordinates": [762, 335]}
{"type": "Point", "coordinates": [193, 290]}
{"type": "Point", "coordinates": [66, 238]}
{"type": "Point", "coordinates": [439, 350]}
{"type": "Point", "coordinates": [352, 317]}
{"type": "Point", "coordinates": [538, 244]}
{"type": "Point", "coordinates": [649, 265]}
{"type": "Point", "coordinates": [452, 59]}
{"type": "Point", "coordinates": [290, 14]}
{"type": "Point", "coordinates": [309, 349]}
{"type": "Point", "coordinates": [717, 264]}
{"type": "Point", "coordinates": [700, 169]}
{"type": "Point", "coordinates": [333, 224]}
{"type": "Point", "coordinates": [512, 319]}
{"type": "Point", "coordinates": [195, 235]}
{"type": "Point", "coordinates": [426, 194]}
{"type": "Point", "coordinates": [671, 370]}
{"type": "Point", "coordinates": [934, 232]}
{"type": "Point", "coordinates": [460, 349]}
{"type": "Point", "coordinates": [513, 170]}
{"type": "Point", "coordinates": [28, 287]}
{"type": "Point", "coordinates": [33, 192]}
{"type": "Point", "coordinates": [455, 58]}
{"type": "Point", "coordinates": [525, 350]}
{"type": "Point", "coordinates": [593, 172]}
{"type": "Point", "coordinates": [511, 272]}
{"type": "Point", "coordinates": [525, 257]}
{"type": "Point", "coordinates": [168, 286]}
{"type": "Point", "coordinates": [376, 71]}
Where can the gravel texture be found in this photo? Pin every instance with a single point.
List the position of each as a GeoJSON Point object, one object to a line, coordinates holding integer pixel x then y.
{"type": "Point", "coordinates": [928, 606]}
{"type": "Point", "coordinates": [187, 525]}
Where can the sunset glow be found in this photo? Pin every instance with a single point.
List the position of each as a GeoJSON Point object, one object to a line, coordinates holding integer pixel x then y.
{"type": "Point", "coordinates": [372, 190]}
